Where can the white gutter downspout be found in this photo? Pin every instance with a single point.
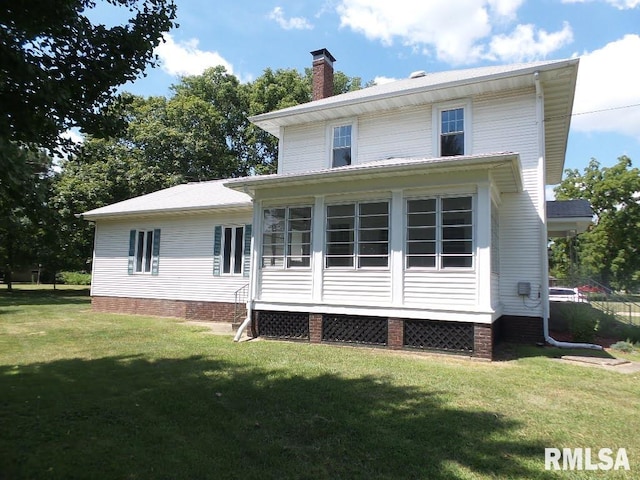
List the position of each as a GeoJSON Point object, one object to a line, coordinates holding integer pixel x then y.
{"type": "Point", "coordinates": [543, 242]}
{"type": "Point", "coordinates": [253, 275]}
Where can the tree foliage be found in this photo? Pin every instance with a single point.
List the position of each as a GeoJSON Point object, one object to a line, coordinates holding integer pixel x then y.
{"type": "Point", "coordinates": [59, 70]}
{"type": "Point", "coordinates": [609, 250]}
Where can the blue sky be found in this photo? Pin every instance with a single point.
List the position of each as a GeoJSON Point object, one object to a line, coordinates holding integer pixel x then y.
{"type": "Point", "coordinates": [382, 40]}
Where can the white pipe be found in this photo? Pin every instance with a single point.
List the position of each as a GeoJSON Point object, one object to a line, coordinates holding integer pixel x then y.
{"type": "Point", "coordinates": [244, 324]}
{"type": "Point", "coordinates": [543, 243]}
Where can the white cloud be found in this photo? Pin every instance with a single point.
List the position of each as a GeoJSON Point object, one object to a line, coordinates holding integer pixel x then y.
{"type": "Point", "coordinates": [525, 43]}
{"type": "Point", "coordinates": [185, 58]}
{"type": "Point", "coordinates": [293, 23]}
{"type": "Point", "coordinates": [608, 80]}
{"type": "Point", "coordinates": [382, 80]}
{"type": "Point", "coordinates": [439, 28]}
{"type": "Point", "coordinates": [619, 4]}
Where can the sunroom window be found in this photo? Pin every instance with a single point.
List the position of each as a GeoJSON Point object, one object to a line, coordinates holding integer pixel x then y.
{"type": "Point", "coordinates": [286, 237]}
{"type": "Point", "coordinates": [440, 233]}
{"type": "Point", "coordinates": [358, 235]}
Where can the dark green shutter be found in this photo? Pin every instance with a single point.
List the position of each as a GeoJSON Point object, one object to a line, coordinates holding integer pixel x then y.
{"type": "Point", "coordinates": [132, 251]}
{"type": "Point", "coordinates": [155, 259]}
{"type": "Point", "coordinates": [247, 251]}
{"type": "Point", "coordinates": [217, 246]}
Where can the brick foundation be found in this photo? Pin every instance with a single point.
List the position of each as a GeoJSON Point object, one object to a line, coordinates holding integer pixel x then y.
{"type": "Point", "coordinates": [190, 310]}
{"type": "Point", "coordinates": [395, 333]}
{"type": "Point", "coordinates": [315, 327]}
{"type": "Point", "coordinates": [483, 341]}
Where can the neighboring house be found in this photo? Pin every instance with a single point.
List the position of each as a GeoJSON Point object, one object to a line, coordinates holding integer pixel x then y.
{"type": "Point", "coordinates": [407, 215]}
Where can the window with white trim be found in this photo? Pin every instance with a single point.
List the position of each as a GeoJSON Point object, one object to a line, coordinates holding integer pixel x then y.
{"type": "Point", "coordinates": [452, 132]}
{"type": "Point", "coordinates": [232, 250]}
{"type": "Point", "coordinates": [144, 251]}
{"type": "Point", "coordinates": [439, 233]}
{"type": "Point", "coordinates": [357, 235]}
{"type": "Point", "coordinates": [286, 237]}
{"type": "Point", "coordinates": [341, 145]}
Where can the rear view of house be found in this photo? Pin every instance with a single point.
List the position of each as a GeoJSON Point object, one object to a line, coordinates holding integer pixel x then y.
{"type": "Point", "coordinates": [406, 215]}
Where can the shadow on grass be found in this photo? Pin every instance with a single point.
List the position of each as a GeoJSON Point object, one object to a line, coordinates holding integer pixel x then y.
{"type": "Point", "coordinates": [21, 297]}
{"type": "Point", "coordinates": [511, 351]}
{"type": "Point", "coordinates": [201, 418]}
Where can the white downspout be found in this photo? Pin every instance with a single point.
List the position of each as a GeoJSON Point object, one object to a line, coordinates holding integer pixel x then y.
{"type": "Point", "coordinates": [253, 275]}
{"type": "Point", "coordinates": [543, 243]}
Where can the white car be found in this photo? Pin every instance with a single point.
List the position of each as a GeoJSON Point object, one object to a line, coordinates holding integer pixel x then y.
{"type": "Point", "coordinates": [566, 294]}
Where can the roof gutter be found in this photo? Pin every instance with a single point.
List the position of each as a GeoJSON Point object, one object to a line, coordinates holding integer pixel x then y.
{"type": "Point", "coordinates": [543, 231]}
{"type": "Point", "coordinates": [247, 184]}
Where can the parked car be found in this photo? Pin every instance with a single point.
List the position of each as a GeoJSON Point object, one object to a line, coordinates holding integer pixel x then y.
{"type": "Point", "coordinates": [566, 294]}
{"type": "Point", "coordinates": [591, 289]}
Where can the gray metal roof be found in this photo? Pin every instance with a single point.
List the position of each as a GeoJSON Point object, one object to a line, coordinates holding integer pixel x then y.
{"type": "Point", "coordinates": [188, 197]}
{"type": "Point", "coordinates": [569, 209]}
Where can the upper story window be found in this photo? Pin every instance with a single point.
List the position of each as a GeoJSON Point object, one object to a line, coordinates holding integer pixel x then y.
{"type": "Point", "coordinates": [440, 232]}
{"type": "Point", "coordinates": [286, 237]}
{"type": "Point", "coordinates": [341, 146]}
{"type": "Point", "coordinates": [358, 235]}
{"type": "Point", "coordinates": [452, 132]}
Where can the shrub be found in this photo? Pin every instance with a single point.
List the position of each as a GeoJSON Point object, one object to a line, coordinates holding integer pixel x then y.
{"type": "Point", "coordinates": [74, 278]}
{"type": "Point", "coordinates": [582, 323]}
{"type": "Point", "coordinates": [623, 346]}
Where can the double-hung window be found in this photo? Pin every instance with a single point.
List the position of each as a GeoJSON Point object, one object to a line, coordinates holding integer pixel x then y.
{"type": "Point", "coordinates": [232, 250]}
{"type": "Point", "coordinates": [440, 233]}
{"type": "Point", "coordinates": [452, 132]}
{"type": "Point", "coordinates": [358, 235]}
{"type": "Point", "coordinates": [231, 244]}
{"type": "Point", "coordinates": [144, 251]}
{"type": "Point", "coordinates": [286, 237]}
{"type": "Point", "coordinates": [341, 146]}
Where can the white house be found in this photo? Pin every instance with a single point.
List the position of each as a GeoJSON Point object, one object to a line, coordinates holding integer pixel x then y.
{"type": "Point", "coordinates": [407, 215]}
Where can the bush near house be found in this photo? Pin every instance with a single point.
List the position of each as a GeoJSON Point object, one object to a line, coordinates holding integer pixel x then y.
{"type": "Point", "coordinates": [74, 278]}
{"type": "Point", "coordinates": [586, 323]}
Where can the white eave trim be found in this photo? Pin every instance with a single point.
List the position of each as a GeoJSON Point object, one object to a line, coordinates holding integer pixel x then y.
{"type": "Point", "coordinates": [166, 211]}
{"type": "Point", "coordinates": [506, 160]}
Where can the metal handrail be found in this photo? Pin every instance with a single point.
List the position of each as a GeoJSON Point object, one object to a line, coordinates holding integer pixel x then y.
{"type": "Point", "coordinates": [240, 299]}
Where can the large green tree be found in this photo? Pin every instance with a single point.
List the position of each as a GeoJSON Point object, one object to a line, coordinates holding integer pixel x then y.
{"type": "Point", "coordinates": [609, 251]}
{"type": "Point", "coordinates": [59, 70]}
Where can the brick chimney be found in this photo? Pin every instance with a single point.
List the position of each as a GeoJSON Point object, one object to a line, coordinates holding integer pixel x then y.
{"type": "Point", "coordinates": [322, 74]}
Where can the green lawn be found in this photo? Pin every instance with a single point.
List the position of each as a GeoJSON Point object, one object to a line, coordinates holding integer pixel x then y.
{"type": "Point", "coordinates": [86, 395]}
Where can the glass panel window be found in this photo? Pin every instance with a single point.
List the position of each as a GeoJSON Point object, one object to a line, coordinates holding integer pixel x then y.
{"type": "Point", "coordinates": [452, 132]}
{"type": "Point", "coordinates": [340, 235]}
{"type": "Point", "coordinates": [144, 251]}
{"type": "Point", "coordinates": [341, 146]}
{"type": "Point", "coordinates": [232, 250]}
{"type": "Point", "coordinates": [286, 238]}
{"type": "Point", "coordinates": [358, 231]}
{"type": "Point", "coordinates": [439, 233]}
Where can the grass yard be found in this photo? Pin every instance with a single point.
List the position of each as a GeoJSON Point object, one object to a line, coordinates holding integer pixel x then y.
{"type": "Point", "coordinates": [86, 395]}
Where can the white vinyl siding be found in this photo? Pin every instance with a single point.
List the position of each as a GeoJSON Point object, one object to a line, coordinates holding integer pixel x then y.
{"type": "Point", "coordinates": [186, 257]}
{"type": "Point", "coordinates": [437, 289]}
{"type": "Point", "coordinates": [520, 220]}
{"type": "Point", "coordinates": [364, 287]}
{"type": "Point", "coordinates": [291, 284]}
{"type": "Point", "coordinates": [409, 137]}
{"type": "Point", "coordinates": [303, 148]}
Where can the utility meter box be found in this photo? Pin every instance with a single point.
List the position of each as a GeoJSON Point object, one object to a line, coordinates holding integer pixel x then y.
{"type": "Point", "coordinates": [524, 288]}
